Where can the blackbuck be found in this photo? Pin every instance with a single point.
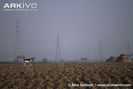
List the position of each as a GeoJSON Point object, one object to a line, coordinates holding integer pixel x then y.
{"type": "Point", "coordinates": [27, 61]}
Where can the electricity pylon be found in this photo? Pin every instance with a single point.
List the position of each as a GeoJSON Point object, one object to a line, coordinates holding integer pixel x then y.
{"type": "Point", "coordinates": [58, 55]}
{"type": "Point", "coordinates": [18, 49]}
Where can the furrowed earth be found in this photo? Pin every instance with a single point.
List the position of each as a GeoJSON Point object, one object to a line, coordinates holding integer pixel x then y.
{"type": "Point", "coordinates": [65, 75]}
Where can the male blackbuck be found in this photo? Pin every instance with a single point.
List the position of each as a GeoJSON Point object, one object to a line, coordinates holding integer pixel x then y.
{"type": "Point", "coordinates": [27, 61]}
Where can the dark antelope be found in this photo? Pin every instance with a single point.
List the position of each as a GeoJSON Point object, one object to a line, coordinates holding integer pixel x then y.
{"type": "Point", "coordinates": [27, 62]}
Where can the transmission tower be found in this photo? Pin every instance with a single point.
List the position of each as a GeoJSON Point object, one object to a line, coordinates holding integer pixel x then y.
{"type": "Point", "coordinates": [18, 49]}
{"type": "Point", "coordinates": [88, 53]}
{"type": "Point", "coordinates": [100, 51]}
{"type": "Point", "coordinates": [128, 47]}
{"type": "Point", "coordinates": [58, 56]}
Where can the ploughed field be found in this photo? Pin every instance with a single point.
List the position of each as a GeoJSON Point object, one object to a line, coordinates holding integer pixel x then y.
{"type": "Point", "coordinates": [65, 75]}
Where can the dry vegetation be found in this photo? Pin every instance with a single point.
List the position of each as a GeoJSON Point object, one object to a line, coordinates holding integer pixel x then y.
{"type": "Point", "coordinates": [61, 75]}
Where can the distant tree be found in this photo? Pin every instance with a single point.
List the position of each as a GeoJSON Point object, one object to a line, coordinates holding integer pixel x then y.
{"type": "Point", "coordinates": [84, 59]}
{"type": "Point", "coordinates": [61, 61]}
{"type": "Point", "coordinates": [44, 60]}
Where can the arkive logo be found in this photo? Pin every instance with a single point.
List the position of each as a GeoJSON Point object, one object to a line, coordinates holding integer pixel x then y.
{"type": "Point", "coordinates": [22, 6]}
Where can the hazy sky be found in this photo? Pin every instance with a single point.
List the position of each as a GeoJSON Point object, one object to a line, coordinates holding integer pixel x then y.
{"type": "Point", "coordinates": [81, 25]}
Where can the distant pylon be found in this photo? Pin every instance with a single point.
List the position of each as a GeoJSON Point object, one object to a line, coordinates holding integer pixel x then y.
{"type": "Point", "coordinates": [100, 51]}
{"type": "Point", "coordinates": [18, 49]}
{"type": "Point", "coordinates": [128, 47]}
{"type": "Point", "coordinates": [88, 53]}
{"type": "Point", "coordinates": [58, 56]}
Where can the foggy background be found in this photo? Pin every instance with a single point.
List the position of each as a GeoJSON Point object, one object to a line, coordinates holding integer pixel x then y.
{"type": "Point", "coordinates": [82, 26]}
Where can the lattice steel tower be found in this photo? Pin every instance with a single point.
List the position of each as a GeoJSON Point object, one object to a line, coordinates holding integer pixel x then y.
{"type": "Point", "coordinates": [58, 55]}
{"type": "Point", "coordinates": [100, 51]}
{"type": "Point", "coordinates": [128, 47]}
{"type": "Point", "coordinates": [18, 49]}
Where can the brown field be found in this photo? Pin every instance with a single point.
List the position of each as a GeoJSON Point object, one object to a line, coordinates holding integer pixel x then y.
{"type": "Point", "coordinates": [65, 75]}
